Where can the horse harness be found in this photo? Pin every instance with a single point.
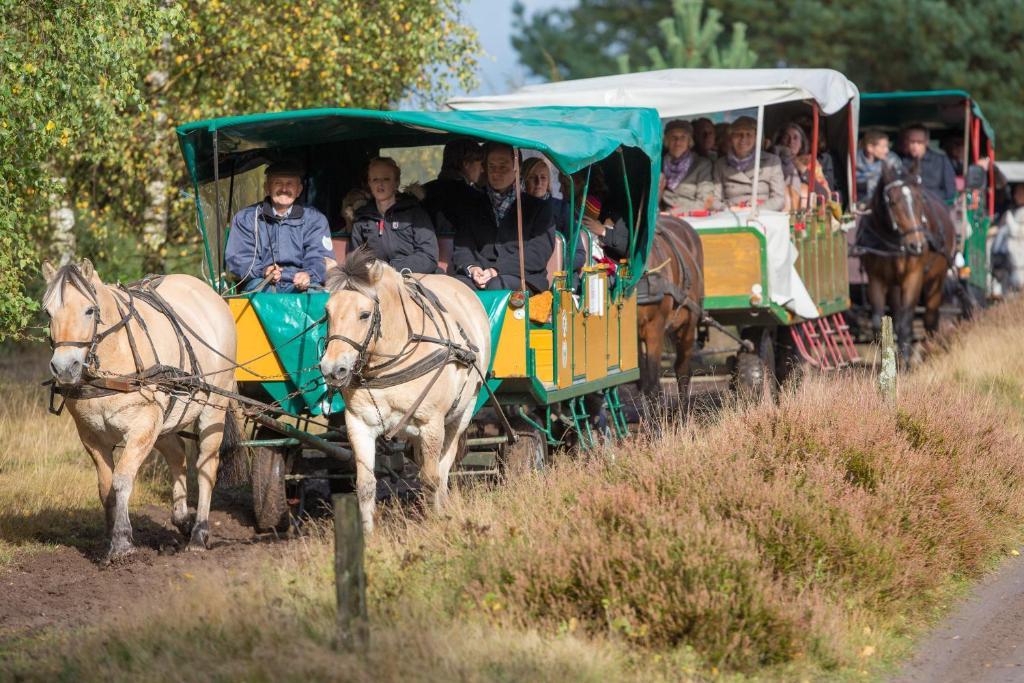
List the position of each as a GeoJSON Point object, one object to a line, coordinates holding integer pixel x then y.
{"type": "Point", "coordinates": [896, 248]}
{"type": "Point", "coordinates": [97, 385]}
{"type": "Point", "coordinates": [653, 286]}
{"type": "Point", "coordinates": [369, 376]}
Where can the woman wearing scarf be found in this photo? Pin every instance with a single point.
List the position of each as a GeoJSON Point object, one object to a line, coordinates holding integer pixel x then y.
{"type": "Point", "coordinates": [734, 172]}
{"type": "Point", "coordinates": [686, 176]}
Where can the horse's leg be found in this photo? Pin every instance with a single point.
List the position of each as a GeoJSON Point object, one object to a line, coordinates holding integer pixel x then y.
{"type": "Point", "coordinates": [685, 337]}
{"type": "Point", "coordinates": [877, 296]}
{"type": "Point", "coordinates": [652, 337]}
{"type": "Point", "coordinates": [909, 294]}
{"type": "Point", "coordinates": [139, 442]}
{"type": "Point", "coordinates": [102, 455]}
{"type": "Point", "coordinates": [933, 300]}
{"type": "Point", "coordinates": [211, 431]}
{"type": "Point", "coordinates": [363, 440]}
{"type": "Point", "coordinates": [431, 440]}
{"type": "Point", "coordinates": [449, 452]}
{"type": "Point", "coordinates": [172, 447]}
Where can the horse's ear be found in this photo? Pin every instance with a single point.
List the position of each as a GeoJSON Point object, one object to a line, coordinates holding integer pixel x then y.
{"type": "Point", "coordinates": [49, 271]}
{"type": "Point", "coordinates": [375, 270]}
{"type": "Point", "coordinates": [87, 270]}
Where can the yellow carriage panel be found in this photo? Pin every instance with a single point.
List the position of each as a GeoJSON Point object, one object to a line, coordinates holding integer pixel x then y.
{"type": "Point", "coordinates": [564, 328]}
{"type": "Point", "coordinates": [256, 358]}
{"type": "Point", "coordinates": [628, 356]}
{"type": "Point", "coordinates": [612, 333]}
{"type": "Point", "coordinates": [543, 354]}
{"type": "Point", "coordinates": [510, 356]}
{"type": "Point", "coordinates": [732, 263]}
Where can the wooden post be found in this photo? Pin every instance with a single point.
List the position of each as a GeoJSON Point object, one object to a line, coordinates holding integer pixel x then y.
{"type": "Point", "coordinates": [887, 376]}
{"type": "Point", "coordinates": [349, 574]}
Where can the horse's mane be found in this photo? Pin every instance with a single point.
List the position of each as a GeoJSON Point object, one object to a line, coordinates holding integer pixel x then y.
{"type": "Point", "coordinates": [353, 274]}
{"type": "Point", "coordinates": [69, 274]}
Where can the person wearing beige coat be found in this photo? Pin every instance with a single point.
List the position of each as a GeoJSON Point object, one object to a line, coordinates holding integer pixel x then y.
{"type": "Point", "coordinates": [687, 178]}
{"type": "Point", "coordinates": [734, 172]}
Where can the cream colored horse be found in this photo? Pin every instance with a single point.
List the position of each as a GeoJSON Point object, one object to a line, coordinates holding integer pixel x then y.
{"type": "Point", "coordinates": [90, 346]}
{"type": "Point", "coordinates": [383, 354]}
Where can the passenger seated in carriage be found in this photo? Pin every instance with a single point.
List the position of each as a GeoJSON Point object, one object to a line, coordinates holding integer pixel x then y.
{"type": "Point", "coordinates": [462, 169]}
{"type": "Point", "coordinates": [934, 168]}
{"type": "Point", "coordinates": [734, 172]}
{"type": "Point", "coordinates": [687, 182]}
{"type": "Point", "coordinates": [872, 154]}
{"type": "Point", "coordinates": [704, 138]}
{"type": "Point", "coordinates": [486, 253]}
{"type": "Point", "coordinates": [393, 224]}
{"type": "Point", "coordinates": [278, 242]}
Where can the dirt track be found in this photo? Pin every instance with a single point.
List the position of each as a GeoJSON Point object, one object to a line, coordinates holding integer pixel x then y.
{"type": "Point", "coordinates": [69, 587]}
{"type": "Point", "coordinates": [982, 641]}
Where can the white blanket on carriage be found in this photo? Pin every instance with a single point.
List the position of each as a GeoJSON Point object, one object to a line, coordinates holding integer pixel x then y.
{"type": "Point", "coordinates": [785, 287]}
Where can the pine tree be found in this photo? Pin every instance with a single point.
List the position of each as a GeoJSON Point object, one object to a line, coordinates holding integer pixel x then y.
{"type": "Point", "coordinates": [692, 42]}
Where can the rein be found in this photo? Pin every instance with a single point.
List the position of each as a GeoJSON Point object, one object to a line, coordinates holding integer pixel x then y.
{"type": "Point", "coordinates": [893, 248]}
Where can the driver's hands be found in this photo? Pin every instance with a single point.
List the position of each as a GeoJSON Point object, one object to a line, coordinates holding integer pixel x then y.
{"type": "Point", "coordinates": [301, 280]}
{"type": "Point", "coordinates": [273, 270]}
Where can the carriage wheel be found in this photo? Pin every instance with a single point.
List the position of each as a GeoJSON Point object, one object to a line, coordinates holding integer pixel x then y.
{"type": "Point", "coordinates": [269, 502]}
{"type": "Point", "coordinates": [754, 372]}
{"type": "Point", "coordinates": [528, 454]}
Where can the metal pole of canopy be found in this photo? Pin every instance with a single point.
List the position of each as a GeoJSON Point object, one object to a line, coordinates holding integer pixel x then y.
{"type": "Point", "coordinates": [991, 179]}
{"type": "Point", "coordinates": [216, 210]}
{"type": "Point", "coordinates": [851, 148]}
{"type": "Point", "coordinates": [757, 159]}
{"type": "Point", "coordinates": [975, 139]}
{"type": "Point", "coordinates": [812, 165]}
{"type": "Point", "coordinates": [519, 220]}
{"type": "Point", "coordinates": [632, 226]}
{"type": "Point", "coordinates": [966, 164]}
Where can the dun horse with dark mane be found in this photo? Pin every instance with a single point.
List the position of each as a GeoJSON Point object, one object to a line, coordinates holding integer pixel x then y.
{"type": "Point", "coordinates": [906, 242]}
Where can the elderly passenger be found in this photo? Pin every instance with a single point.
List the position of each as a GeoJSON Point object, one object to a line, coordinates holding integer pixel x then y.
{"type": "Point", "coordinates": [394, 225]}
{"type": "Point", "coordinates": [278, 242]}
{"type": "Point", "coordinates": [687, 176]}
{"type": "Point", "coordinates": [486, 254]}
{"type": "Point", "coordinates": [704, 138]}
{"type": "Point", "coordinates": [734, 173]}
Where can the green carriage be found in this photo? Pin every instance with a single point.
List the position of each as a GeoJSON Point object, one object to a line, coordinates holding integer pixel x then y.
{"type": "Point", "coordinates": [549, 373]}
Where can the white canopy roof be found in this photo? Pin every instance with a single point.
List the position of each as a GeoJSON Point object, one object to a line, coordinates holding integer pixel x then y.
{"type": "Point", "coordinates": [1013, 170]}
{"type": "Point", "coordinates": [683, 92]}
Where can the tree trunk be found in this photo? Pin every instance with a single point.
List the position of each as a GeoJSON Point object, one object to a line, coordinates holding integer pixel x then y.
{"type": "Point", "coordinates": [62, 223]}
{"type": "Point", "coordinates": [156, 217]}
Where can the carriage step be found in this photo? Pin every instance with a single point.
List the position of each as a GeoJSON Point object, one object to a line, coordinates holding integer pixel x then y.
{"type": "Point", "coordinates": [825, 343]}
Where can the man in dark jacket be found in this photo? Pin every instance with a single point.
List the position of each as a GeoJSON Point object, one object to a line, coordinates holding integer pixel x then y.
{"type": "Point", "coordinates": [393, 224]}
{"type": "Point", "coordinates": [486, 252]}
{"type": "Point", "coordinates": [933, 167]}
{"type": "Point", "coordinates": [461, 169]}
{"type": "Point", "coordinates": [279, 240]}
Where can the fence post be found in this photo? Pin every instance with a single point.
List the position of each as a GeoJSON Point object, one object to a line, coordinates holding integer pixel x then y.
{"type": "Point", "coordinates": [887, 376]}
{"type": "Point", "coordinates": [349, 574]}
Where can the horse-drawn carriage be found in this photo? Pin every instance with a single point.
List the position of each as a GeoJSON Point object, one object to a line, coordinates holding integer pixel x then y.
{"type": "Point", "coordinates": [550, 374]}
{"type": "Point", "coordinates": [957, 127]}
{"type": "Point", "coordinates": [780, 277]}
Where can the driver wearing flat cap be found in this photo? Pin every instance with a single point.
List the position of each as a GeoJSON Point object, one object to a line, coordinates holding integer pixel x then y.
{"type": "Point", "coordinates": [278, 243]}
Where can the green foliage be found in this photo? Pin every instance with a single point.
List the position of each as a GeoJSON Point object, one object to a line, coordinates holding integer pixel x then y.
{"type": "Point", "coordinates": [92, 89]}
{"type": "Point", "coordinates": [691, 42]}
{"type": "Point", "coordinates": [53, 93]}
{"type": "Point", "coordinates": [880, 45]}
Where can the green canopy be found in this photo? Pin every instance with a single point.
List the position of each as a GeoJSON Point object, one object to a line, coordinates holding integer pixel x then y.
{"type": "Point", "coordinates": [573, 138]}
{"type": "Point", "coordinates": [938, 110]}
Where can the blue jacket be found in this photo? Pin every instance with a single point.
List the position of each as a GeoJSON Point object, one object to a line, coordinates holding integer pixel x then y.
{"type": "Point", "coordinates": [297, 242]}
{"type": "Point", "coordinates": [936, 173]}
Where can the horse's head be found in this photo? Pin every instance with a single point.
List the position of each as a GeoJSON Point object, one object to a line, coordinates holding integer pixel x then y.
{"type": "Point", "coordinates": [905, 206]}
{"type": "Point", "coordinates": [353, 316]}
{"type": "Point", "coordinates": [72, 302]}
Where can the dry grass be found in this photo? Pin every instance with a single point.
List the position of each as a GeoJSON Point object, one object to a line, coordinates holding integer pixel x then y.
{"type": "Point", "coordinates": [47, 481]}
{"type": "Point", "coordinates": [808, 538]}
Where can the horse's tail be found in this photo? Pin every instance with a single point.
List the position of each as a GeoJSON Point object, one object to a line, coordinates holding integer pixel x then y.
{"type": "Point", "coordinates": [234, 458]}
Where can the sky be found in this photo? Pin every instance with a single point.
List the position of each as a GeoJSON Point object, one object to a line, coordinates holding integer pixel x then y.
{"type": "Point", "coordinates": [500, 70]}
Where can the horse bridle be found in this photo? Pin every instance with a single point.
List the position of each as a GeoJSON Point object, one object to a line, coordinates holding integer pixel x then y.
{"type": "Point", "coordinates": [363, 347]}
{"type": "Point", "coordinates": [920, 228]}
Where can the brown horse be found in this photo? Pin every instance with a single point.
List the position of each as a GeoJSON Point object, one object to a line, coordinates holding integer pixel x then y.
{"type": "Point", "coordinates": [906, 242]}
{"type": "Point", "coordinates": [670, 299]}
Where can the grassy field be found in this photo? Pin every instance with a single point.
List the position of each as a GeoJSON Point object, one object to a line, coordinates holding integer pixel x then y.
{"type": "Point", "coordinates": [810, 538]}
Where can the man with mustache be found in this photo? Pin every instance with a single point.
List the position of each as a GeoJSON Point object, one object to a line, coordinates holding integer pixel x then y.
{"type": "Point", "coordinates": [279, 244]}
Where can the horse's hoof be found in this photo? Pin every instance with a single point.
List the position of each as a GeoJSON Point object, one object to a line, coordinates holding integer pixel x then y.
{"type": "Point", "coordinates": [200, 539]}
{"type": "Point", "coordinates": [118, 553]}
{"type": "Point", "coordinates": [183, 524]}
